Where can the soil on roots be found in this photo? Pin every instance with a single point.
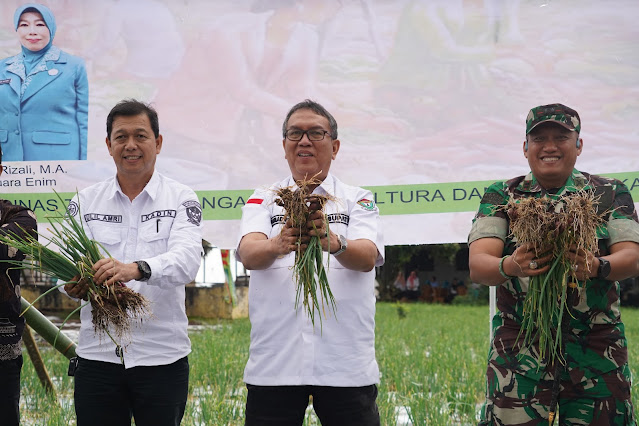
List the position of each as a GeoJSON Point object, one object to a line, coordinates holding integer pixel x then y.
{"type": "Point", "coordinates": [118, 307]}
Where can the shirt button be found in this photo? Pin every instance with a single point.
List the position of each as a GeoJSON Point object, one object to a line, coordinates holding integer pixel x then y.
{"type": "Point", "coordinates": [17, 132]}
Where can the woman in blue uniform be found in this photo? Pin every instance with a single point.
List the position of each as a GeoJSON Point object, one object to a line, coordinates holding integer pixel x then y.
{"type": "Point", "coordinates": [44, 94]}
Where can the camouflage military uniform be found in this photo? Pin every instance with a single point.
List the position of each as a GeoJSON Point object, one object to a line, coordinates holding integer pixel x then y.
{"type": "Point", "coordinates": [595, 385]}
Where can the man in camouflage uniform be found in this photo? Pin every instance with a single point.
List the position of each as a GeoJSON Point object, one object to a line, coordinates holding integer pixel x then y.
{"type": "Point", "coordinates": [18, 220]}
{"type": "Point", "coordinates": [594, 385]}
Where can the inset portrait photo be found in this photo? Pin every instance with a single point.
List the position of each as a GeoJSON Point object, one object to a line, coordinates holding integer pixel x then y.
{"type": "Point", "coordinates": [44, 94]}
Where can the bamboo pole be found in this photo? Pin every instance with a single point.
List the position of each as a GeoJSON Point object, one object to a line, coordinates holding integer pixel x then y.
{"type": "Point", "coordinates": [48, 330]}
{"type": "Point", "coordinates": [36, 360]}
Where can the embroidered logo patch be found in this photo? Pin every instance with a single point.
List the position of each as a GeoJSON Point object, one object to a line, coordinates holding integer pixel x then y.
{"type": "Point", "coordinates": [193, 212]}
{"type": "Point", "coordinates": [367, 204]}
{"type": "Point", "coordinates": [73, 208]}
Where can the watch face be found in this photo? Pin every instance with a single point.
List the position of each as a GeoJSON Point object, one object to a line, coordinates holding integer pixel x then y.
{"type": "Point", "coordinates": [144, 269]}
{"type": "Point", "coordinates": [342, 242]}
{"type": "Point", "coordinates": [604, 268]}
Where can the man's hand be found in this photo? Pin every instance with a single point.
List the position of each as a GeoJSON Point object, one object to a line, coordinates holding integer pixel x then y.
{"type": "Point", "coordinates": [317, 227]}
{"type": "Point", "coordinates": [583, 263]}
{"type": "Point", "coordinates": [109, 271]}
{"type": "Point", "coordinates": [77, 288]}
{"type": "Point", "coordinates": [524, 262]}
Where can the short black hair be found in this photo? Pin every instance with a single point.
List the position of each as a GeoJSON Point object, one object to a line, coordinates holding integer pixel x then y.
{"type": "Point", "coordinates": [131, 107]}
{"type": "Point", "coordinates": [317, 109]}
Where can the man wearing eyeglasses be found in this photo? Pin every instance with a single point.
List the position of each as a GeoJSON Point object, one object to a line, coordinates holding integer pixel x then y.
{"type": "Point", "coordinates": [291, 359]}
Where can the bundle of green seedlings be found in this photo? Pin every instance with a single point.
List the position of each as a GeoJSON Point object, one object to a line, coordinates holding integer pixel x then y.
{"type": "Point", "coordinates": [309, 273]}
{"type": "Point", "coordinates": [554, 226]}
{"type": "Point", "coordinates": [114, 307]}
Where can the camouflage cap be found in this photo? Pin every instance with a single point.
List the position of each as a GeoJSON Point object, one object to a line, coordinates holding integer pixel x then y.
{"type": "Point", "coordinates": [556, 113]}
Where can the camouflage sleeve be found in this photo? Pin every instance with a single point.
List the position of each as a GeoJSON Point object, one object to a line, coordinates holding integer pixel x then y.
{"type": "Point", "coordinates": [490, 221]}
{"type": "Point", "coordinates": [622, 224]}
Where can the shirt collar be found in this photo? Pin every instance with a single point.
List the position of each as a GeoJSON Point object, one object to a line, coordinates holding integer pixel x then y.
{"type": "Point", "coordinates": [576, 182]}
{"type": "Point", "coordinates": [326, 187]}
{"type": "Point", "coordinates": [16, 63]}
{"type": "Point", "coordinates": [151, 188]}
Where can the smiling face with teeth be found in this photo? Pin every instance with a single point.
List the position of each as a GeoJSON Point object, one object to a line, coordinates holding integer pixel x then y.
{"type": "Point", "coordinates": [552, 152]}
{"type": "Point", "coordinates": [134, 148]}
{"type": "Point", "coordinates": [307, 158]}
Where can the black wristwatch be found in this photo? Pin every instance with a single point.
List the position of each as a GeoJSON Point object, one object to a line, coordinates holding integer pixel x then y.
{"type": "Point", "coordinates": [144, 269]}
{"type": "Point", "coordinates": [604, 268]}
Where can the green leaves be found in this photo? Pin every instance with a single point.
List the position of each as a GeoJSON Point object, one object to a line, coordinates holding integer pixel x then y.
{"type": "Point", "coordinates": [310, 276]}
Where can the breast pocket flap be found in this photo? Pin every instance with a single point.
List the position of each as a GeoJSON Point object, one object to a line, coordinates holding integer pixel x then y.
{"type": "Point", "coordinates": [107, 235]}
{"type": "Point", "coordinates": [51, 138]}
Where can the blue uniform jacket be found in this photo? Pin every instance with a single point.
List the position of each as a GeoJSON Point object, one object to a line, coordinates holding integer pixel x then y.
{"type": "Point", "coordinates": [51, 120]}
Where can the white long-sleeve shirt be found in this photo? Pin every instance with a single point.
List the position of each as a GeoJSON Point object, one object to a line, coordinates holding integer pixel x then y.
{"type": "Point", "coordinates": [161, 226]}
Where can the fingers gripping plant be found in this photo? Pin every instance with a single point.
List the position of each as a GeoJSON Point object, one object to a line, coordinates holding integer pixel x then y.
{"type": "Point", "coordinates": [309, 273]}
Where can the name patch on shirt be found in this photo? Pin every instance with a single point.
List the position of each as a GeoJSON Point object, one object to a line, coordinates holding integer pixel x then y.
{"type": "Point", "coordinates": [158, 213]}
{"type": "Point", "coordinates": [193, 212]}
{"type": "Point", "coordinates": [6, 81]}
{"type": "Point", "coordinates": [277, 220]}
{"type": "Point", "coordinates": [113, 218]}
{"type": "Point", "coordinates": [332, 218]}
{"type": "Point", "coordinates": [338, 218]}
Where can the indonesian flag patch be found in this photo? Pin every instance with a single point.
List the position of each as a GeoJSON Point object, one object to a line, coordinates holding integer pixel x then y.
{"type": "Point", "coordinates": [254, 201]}
{"type": "Point", "coordinates": [366, 204]}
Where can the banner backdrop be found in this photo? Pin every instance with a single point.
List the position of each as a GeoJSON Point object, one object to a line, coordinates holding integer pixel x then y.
{"type": "Point", "coordinates": [430, 96]}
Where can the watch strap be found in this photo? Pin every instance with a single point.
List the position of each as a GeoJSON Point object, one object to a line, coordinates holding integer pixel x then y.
{"type": "Point", "coordinates": [342, 245]}
{"type": "Point", "coordinates": [144, 269]}
{"type": "Point", "coordinates": [604, 268]}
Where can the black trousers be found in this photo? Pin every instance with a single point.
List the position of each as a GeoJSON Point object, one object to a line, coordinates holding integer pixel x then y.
{"type": "Point", "coordinates": [335, 406]}
{"type": "Point", "coordinates": [10, 391]}
{"type": "Point", "coordinates": [110, 395]}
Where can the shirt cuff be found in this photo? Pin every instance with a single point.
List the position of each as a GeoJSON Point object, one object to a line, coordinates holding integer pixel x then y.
{"type": "Point", "coordinates": [156, 270]}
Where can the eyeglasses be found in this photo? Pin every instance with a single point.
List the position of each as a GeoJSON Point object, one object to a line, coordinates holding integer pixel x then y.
{"type": "Point", "coordinates": [314, 135]}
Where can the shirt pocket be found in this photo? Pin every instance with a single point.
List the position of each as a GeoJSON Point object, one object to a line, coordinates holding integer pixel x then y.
{"type": "Point", "coordinates": [51, 138]}
{"type": "Point", "coordinates": [110, 237]}
{"type": "Point", "coordinates": [155, 235]}
{"type": "Point", "coordinates": [4, 135]}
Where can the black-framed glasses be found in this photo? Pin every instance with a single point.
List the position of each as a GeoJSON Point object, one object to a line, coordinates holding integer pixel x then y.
{"type": "Point", "coordinates": [314, 135]}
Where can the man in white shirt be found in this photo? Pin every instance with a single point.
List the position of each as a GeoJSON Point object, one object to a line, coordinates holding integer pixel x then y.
{"type": "Point", "coordinates": [291, 359]}
{"type": "Point", "coordinates": [150, 225]}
